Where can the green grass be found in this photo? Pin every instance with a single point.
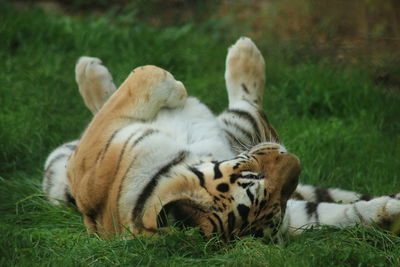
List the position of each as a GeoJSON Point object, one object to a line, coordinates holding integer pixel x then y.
{"type": "Point", "coordinates": [344, 128]}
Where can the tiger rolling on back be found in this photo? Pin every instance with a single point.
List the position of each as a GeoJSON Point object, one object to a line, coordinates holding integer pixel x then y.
{"type": "Point", "coordinates": [152, 157]}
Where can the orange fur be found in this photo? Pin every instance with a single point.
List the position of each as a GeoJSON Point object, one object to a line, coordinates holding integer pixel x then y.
{"type": "Point", "coordinates": [91, 172]}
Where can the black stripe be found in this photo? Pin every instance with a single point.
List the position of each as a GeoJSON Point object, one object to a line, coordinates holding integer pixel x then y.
{"type": "Point", "coordinates": [98, 156]}
{"type": "Point", "coordinates": [250, 195]}
{"type": "Point", "coordinates": [245, 185]}
{"type": "Point", "coordinates": [129, 167]}
{"type": "Point", "coordinates": [262, 204]}
{"type": "Point", "coordinates": [69, 146]}
{"type": "Point", "coordinates": [148, 190]}
{"type": "Point", "coordinates": [246, 115]}
{"type": "Point", "coordinates": [217, 171]}
{"type": "Point", "coordinates": [231, 139]}
{"type": "Point", "coordinates": [69, 197]}
{"type": "Point", "coordinates": [233, 178]}
{"type": "Point", "coordinates": [48, 176]}
{"type": "Point", "coordinates": [255, 158]}
{"type": "Point", "coordinates": [246, 133]}
{"type": "Point", "coordinates": [122, 153]}
{"type": "Point", "coordinates": [109, 142]}
{"type": "Point", "coordinates": [271, 129]}
{"type": "Point", "coordinates": [245, 89]}
{"type": "Point", "coordinates": [144, 135]}
{"type": "Point", "coordinates": [311, 208]}
{"type": "Point", "coordinates": [365, 197]}
{"type": "Point", "coordinates": [214, 229]}
{"type": "Point", "coordinates": [322, 195]}
{"type": "Point", "coordinates": [221, 225]}
{"type": "Point", "coordinates": [131, 118]}
{"type": "Point", "coordinates": [237, 165]}
{"type": "Point", "coordinates": [123, 177]}
{"type": "Point", "coordinates": [357, 212]}
{"type": "Point", "coordinates": [254, 176]}
{"type": "Point", "coordinates": [57, 158]}
{"type": "Point", "coordinates": [243, 211]}
{"type": "Point", "coordinates": [268, 216]}
{"type": "Point", "coordinates": [199, 175]}
{"type": "Point", "coordinates": [231, 222]}
{"type": "Point", "coordinates": [242, 156]}
{"type": "Point", "coordinates": [297, 195]}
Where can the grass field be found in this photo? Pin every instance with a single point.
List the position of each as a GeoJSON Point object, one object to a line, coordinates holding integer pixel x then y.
{"type": "Point", "coordinates": [343, 126]}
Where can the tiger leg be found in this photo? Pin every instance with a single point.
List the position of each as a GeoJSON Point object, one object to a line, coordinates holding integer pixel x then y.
{"type": "Point", "coordinates": [93, 167]}
{"type": "Point", "coordinates": [244, 122]}
{"type": "Point", "coordinates": [96, 86]}
{"type": "Point", "coordinates": [301, 215]}
{"type": "Point", "coordinates": [94, 81]}
{"type": "Point", "coordinates": [146, 90]}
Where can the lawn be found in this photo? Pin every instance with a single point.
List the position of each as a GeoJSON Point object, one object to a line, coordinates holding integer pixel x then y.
{"type": "Point", "coordinates": [343, 126]}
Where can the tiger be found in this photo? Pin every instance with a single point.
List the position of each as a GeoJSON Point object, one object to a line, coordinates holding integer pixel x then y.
{"type": "Point", "coordinates": [153, 157]}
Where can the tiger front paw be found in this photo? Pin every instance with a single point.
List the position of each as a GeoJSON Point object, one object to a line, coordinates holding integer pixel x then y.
{"type": "Point", "coordinates": [149, 89]}
{"type": "Point", "coordinates": [245, 72]}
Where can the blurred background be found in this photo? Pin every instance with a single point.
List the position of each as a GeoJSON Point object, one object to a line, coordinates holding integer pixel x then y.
{"type": "Point", "coordinates": [337, 31]}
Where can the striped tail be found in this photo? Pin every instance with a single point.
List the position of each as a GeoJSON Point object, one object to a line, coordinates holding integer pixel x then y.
{"type": "Point", "coordinates": [301, 214]}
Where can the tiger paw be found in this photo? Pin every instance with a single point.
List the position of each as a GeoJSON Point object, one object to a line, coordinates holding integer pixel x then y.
{"type": "Point", "coordinates": [156, 86]}
{"type": "Point", "coordinates": [95, 82]}
{"type": "Point", "coordinates": [245, 72]}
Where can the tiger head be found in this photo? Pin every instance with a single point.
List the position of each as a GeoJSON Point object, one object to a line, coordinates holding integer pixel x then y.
{"type": "Point", "coordinates": [243, 196]}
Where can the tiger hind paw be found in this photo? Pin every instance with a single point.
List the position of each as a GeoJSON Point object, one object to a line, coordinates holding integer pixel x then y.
{"type": "Point", "coordinates": [245, 72]}
{"type": "Point", "coordinates": [95, 82]}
